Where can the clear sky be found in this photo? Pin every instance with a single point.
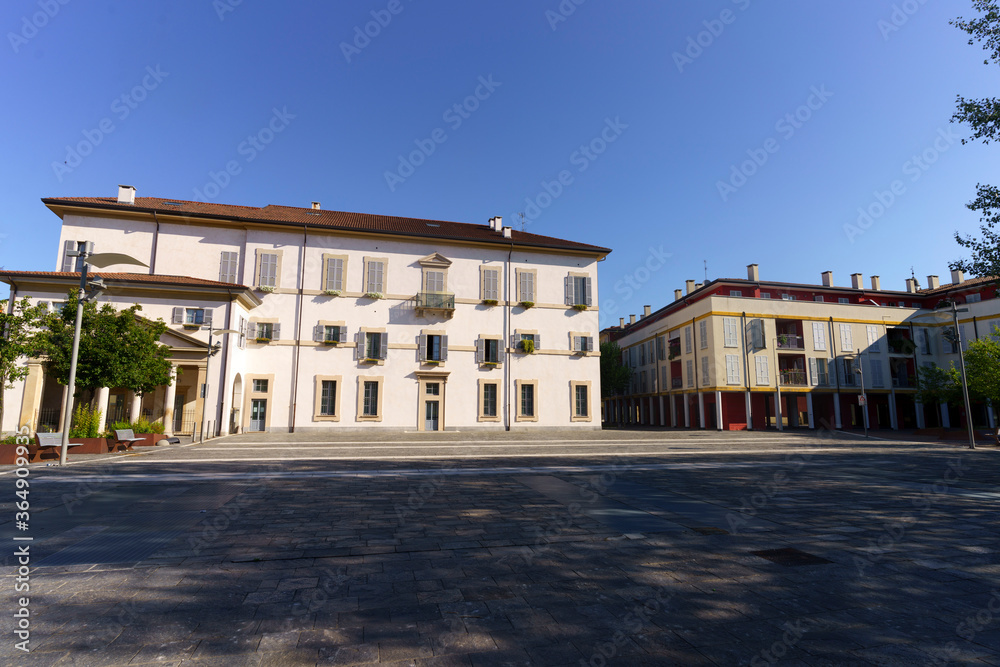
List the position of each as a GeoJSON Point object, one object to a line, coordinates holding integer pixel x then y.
{"type": "Point", "coordinates": [644, 108]}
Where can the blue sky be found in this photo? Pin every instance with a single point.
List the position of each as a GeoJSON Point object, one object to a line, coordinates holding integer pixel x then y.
{"type": "Point", "coordinates": [646, 106]}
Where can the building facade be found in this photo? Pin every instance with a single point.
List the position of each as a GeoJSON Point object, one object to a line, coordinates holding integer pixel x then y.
{"type": "Point", "coordinates": [737, 354]}
{"type": "Point", "coordinates": [342, 320]}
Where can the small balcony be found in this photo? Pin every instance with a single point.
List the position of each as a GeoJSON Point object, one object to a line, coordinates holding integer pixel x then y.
{"type": "Point", "coordinates": [792, 378]}
{"type": "Point", "coordinates": [676, 383]}
{"type": "Point", "coordinates": [674, 349]}
{"type": "Point", "coordinates": [790, 342]}
{"type": "Point", "coordinates": [435, 302]}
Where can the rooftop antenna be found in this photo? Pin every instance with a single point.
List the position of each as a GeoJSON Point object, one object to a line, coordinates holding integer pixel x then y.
{"type": "Point", "coordinates": [916, 283]}
{"type": "Point", "coordinates": [706, 269]}
{"type": "Point", "coordinates": [521, 215]}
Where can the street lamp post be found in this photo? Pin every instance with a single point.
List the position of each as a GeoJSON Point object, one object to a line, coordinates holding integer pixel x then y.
{"type": "Point", "coordinates": [864, 399]}
{"type": "Point", "coordinates": [955, 310]}
{"type": "Point", "coordinates": [208, 365]}
{"type": "Point", "coordinates": [100, 260]}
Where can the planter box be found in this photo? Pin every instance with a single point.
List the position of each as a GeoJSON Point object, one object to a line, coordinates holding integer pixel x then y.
{"type": "Point", "coordinates": [89, 446]}
{"type": "Point", "coordinates": [148, 439]}
{"type": "Point", "coordinates": [8, 454]}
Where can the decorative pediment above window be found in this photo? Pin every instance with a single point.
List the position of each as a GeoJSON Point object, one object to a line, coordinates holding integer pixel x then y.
{"type": "Point", "coordinates": [435, 261]}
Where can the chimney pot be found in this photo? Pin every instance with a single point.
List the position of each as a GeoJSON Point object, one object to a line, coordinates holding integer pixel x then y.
{"type": "Point", "coordinates": [506, 232]}
{"type": "Point", "coordinates": [631, 319]}
{"type": "Point", "coordinates": [932, 282]}
{"type": "Point", "coordinates": [957, 277]}
{"type": "Point", "coordinates": [678, 294]}
{"type": "Point", "coordinates": [621, 322]}
{"type": "Point", "coordinates": [126, 194]}
{"type": "Point", "coordinates": [876, 283]}
{"type": "Point", "coordinates": [698, 286]}
{"type": "Point", "coordinates": [689, 284]}
{"type": "Point", "coordinates": [753, 272]}
{"type": "Point", "coordinates": [911, 285]}
{"type": "Point", "coordinates": [646, 311]}
{"type": "Point", "coordinates": [828, 279]}
{"type": "Point", "coordinates": [315, 206]}
{"type": "Point", "coordinates": [857, 281]}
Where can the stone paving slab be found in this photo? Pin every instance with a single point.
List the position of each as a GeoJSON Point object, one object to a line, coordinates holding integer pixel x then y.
{"type": "Point", "coordinates": [482, 562]}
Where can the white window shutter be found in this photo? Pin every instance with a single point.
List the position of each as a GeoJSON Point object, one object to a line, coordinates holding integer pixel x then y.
{"type": "Point", "coordinates": [590, 344]}
{"type": "Point", "coordinates": [319, 333]}
{"type": "Point", "coordinates": [590, 300]}
{"type": "Point", "coordinates": [207, 319]}
{"type": "Point", "coordinates": [68, 263]}
{"type": "Point", "coordinates": [178, 317]}
{"type": "Point", "coordinates": [276, 331]}
{"type": "Point", "coordinates": [359, 345]}
{"type": "Point", "coordinates": [252, 330]}
{"type": "Point", "coordinates": [538, 342]}
{"type": "Point", "coordinates": [422, 347]}
{"type": "Point", "coordinates": [568, 290]}
{"type": "Point", "coordinates": [813, 372]}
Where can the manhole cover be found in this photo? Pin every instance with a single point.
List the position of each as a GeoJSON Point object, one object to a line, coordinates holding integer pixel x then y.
{"type": "Point", "coordinates": [709, 530]}
{"type": "Point", "coordinates": [790, 557]}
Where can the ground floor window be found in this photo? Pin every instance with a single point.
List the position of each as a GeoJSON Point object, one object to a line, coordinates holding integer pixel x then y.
{"type": "Point", "coordinates": [328, 398]}
{"type": "Point", "coordinates": [581, 401]}
{"type": "Point", "coordinates": [527, 400]}
{"type": "Point", "coordinates": [370, 408]}
{"type": "Point", "coordinates": [490, 400]}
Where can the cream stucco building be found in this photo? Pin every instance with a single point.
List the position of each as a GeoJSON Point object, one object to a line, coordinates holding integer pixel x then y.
{"type": "Point", "coordinates": [344, 320]}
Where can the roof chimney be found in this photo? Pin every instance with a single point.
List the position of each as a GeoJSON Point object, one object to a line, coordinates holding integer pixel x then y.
{"type": "Point", "coordinates": [689, 284]}
{"type": "Point", "coordinates": [646, 311]}
{"type": "Point", "coordinates": [506, 231]}
{"type": "Point", "coordinates": [631, 319]}
{"type": "Point", "coordinates": [126, 194]}
{"type": "Point", "coordinates": [911, 285]}
{"type": "Point", "coordinates": [932, 282]}
{"type": "Point", "coordinates": [678, 294]}
{"type": "Point", "coordinates": [698, 286]}
{"type": "Point", "coordinates": [857, 281]}
{"type": "Point", "coordinates": [621, 322]}
{"type": "Point", "coordinates": [315, 206]}
{"type": "Point", "coordinates": [957, 277]}
{"type": "Point", "coordinates": [753, 273]}
{"type": "Point", "coordinates": [496, 224]}
{"type": "Point", "coordinates": [876, 283]}
{"type": "Point", "coordinates": [827, 279]}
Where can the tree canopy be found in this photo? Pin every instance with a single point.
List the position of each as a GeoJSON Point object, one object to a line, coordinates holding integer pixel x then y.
{"type": "Point", "coordinates": [939, 385]}
{"type": "Point", "coordinates": [982, 365]}
{"type": "Point", "coordinates": [117, 348]}
{"type": "Point", "coordinates": [983, 118]}
{"type": "Point", "coordinates": [20, 337]}
{"type": "Point", "coordinates": [614, 375]}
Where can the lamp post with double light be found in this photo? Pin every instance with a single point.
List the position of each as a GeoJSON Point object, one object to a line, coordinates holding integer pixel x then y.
{"type": "Point", "coordinates": [212, 350]}
{"type": "Point", "coordinates": [955, 310]}
{"type": "Point", "coordinates": [89, 290]}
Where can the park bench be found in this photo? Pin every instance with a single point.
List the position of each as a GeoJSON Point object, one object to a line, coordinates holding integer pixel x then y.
{"type": "Point", "coordinates": [125, 437]}
{"type": "Point", "coordinates": [45, 443]}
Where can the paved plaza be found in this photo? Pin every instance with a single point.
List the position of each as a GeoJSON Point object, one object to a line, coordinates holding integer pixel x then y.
{"type": "Point", "coordinates": [604, 548]}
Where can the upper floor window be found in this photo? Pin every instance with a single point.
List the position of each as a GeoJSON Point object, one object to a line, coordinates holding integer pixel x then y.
{"type": "Point", "coordinates": [488, 351]}
{"type": "Point", "coordinates": [70, 263]}
{"type": "Point", "coordinates": [229, 266]}
{"type": "Point", "coordinates": [578, 290]}
{"type": "Point", "coordinates": [433, 347]}
{"type": "Point", "coordinates": [333, 273]}
{"type": "Point", "coordinates": [374, 344]}
{"type": "Point", "coordinates": [264, 331]}
{"type": "Point", "coordinates": [973, 298]}
{"type": "Point", "coordinates": [260, 386]}
{"type": "Point", "coordinates": [374, 276]}
{"type": "Point", "coordinates": [735, 292]}
{"type": "Point", "coordinates": [526, 285]}
{"type": "Point", "coordinates": [583, 344]}
{"type": "Point", "coordinates": [434, 281]}
{"type": "Point", "coordinates": [490, 284]}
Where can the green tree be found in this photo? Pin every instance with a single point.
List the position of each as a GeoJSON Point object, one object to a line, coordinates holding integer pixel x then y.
{"type": "Point", "coordinates": [117, 348]}
{"type": "Point", "coordinates": [982, 364]}
{"type": "Point", "coordinates": [939, 385]}
{"type": "Point", "coordinates": [614, 375]}
{"type": "Point", "coordinates": [983, 117]}
{"type": "Point", "coordinates": [19, 338]}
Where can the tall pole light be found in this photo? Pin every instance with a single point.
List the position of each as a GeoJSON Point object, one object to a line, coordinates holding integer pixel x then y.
{"type": "Point", "coordinates": [208, 376]}
{"type": "Point", "coordinates": [955, 310]}
{"type": "Point", "coordinates": [85, 252]}
{"type": "Point", "coordinates": [864, 399]}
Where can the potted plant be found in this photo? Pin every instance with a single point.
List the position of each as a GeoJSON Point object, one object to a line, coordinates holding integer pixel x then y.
{"type": "Point", "coordinates": [263, 339]}
{"type": "Point", "coordinates": [782, 340]}
{"type": "Point", "coordinates": [528, 345]}
{"type": "Point", "coordinates": [84, 431]}
{"type": "Point", "coordinates": [527, 304]}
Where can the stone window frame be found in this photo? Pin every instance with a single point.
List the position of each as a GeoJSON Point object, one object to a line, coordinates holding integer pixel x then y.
{"type": "Point", "coordinates": [572, 405]}
{"type": "Point", "coordinates": [482, 416]}
{"type": "Point", "coordinates": [380, 380]}
{"type": "Point", "coordinates": [317, 402]}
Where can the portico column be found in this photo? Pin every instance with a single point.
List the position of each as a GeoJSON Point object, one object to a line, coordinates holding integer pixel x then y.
{"type": "Point", "coordinates": [778, 411]}
{"type": "Point", "coordinates": [990, 416]}
{"type": "Point", "coordinates": [62, 416]}
{"type": "Point", "coordinates": [687, 411]}
{"type": "Point", "coordinates": [919, 408]}
{"type": "Point", "coordinates": [809, 409]}
{"type": "Point", "coordinates": [718, 411]}
{"type": "Point", "coordinates": [701, 410]}
{"type": "Point", "coordinates": [663, 414]}
{"type": "Point", "coordinates": [102, 404]}
{"type": "Point", "coordinates": [945, 418]}
{"type": "Point", "coordinates": [892, 412]}
{"type": "Point", "coordinates": [135, 410]}
{"type": "Point", "coordinates": [168, 403]}
{"type": "Point", "coordinates": [673, 411]}
{"type": "Point", "coordinates": [32, 397]}
{"type": "Point", "coordinates": [837, 423]}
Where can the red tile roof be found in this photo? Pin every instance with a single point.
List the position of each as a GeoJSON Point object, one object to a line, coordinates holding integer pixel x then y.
{"type": "Point", "coordinates": [123, 278]}
{"type": "Point", "coordinates": [334, 220]}
{"type": "Point", "coordinates": [951, 287]}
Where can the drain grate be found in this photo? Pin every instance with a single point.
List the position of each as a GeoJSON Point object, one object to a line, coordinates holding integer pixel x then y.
{"type": "Point", "coordinates": [709, 530]}
{"type": "Point", "coordinates": [790, 557]}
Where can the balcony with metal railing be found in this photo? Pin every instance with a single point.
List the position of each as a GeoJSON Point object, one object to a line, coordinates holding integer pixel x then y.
{"type": "Point", "coordinates": [790, 342]}
{"type": "Point", "coordinates": [437, 302]}
{"type": "Point", "coordinates": [792, 378]}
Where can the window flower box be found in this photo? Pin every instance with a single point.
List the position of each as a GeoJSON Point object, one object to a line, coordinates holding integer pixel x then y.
{"type": "Point", "coordinates": [263, 339]}
{"type": "Point", "coordinates": [192, 326]}
{"type": "Point", "coordinates": [331, 292]}
{"type": "Point", "coordinates": [265, 288]}
{"type": "Point", "coordinates": [369, 360]}
{"type": "Point", "coordinates": [373, 295]}
{"type": "Point", "coordinates": [528, 346]}
{"type": "Point", "coordinates": [432, 362]}
{"type": "Point", "coordinates": [527, 304]}
{"type": "Point", "coordinates": [491, 364]}
{"type": "Point", "coordinates": [490, 302]}
{"type": "Point", "coordinates": [331, 342]}
{"type": "Point", "coordinates": [580, 306]}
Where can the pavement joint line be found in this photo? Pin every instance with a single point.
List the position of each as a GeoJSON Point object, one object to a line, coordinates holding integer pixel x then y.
{"type": "Point", "coordinates": [419, 472]}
